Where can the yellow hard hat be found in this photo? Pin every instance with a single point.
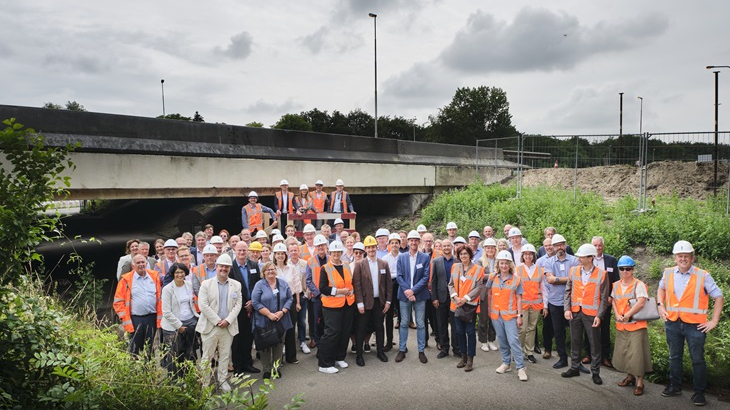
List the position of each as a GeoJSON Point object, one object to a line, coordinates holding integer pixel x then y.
{"type": "Point", "coordinates": [369, 241]}
{"type": "Point", "coordinates": [255, 246]}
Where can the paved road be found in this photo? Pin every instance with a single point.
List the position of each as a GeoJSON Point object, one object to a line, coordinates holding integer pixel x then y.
{"type": "Point", "coordinates": [438, 384]}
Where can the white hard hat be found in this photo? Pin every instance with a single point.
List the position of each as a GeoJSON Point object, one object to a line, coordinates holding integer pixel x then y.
{"type": "Point", "coordinates": [421, 228]}
{"type": "Point", "coordinates": [309, 228]}
{"type": "Point", "coordinates": [586, 250]}
{"type": "Point", "coordinates": [394, 237]}
{"type": "Point", "coordinates": [413, 235]}
{"type": "Point", "coordinates": [275, 232]}
{"type": "Point", "coordinates": [253, 193]}
{"type": "Point", "coordinates": [210, 249]}
{"type": "Point", "coordinates": [170, 243]}
{"type": "Point", "coordinates": [336, 246]}
{"type": "Point", "coordinates": [319, 182]}
{"type": "Point", "coordinates": [489, 242]}
{"type": "Point", "coordinates": [528, 248]}
{"type": "Point", "coordinates": [224, 259]}
{"type": "Point", "coordinates": [474, 234]}
{"type": "Point", "coordinates": [339, 182]}
{"type": "Point", "coordinates": [682, 247]}
{"type": "Point", "coordinates": [283, 182]}
{"type": "Point", "coordinates": [557, 238]}
{"type": "Point", "coordinates": [505, 256]}
{"type": "Point", "coordinates": [459, 239]}
{"type": "Point", "coordinates": [261, 234]}
{"type": "Point", "coordinates": [514, 232]}
{"type": "Point", "coordinates": [451, 225]}
{"type": "Point", "coordinates": [303, 187]}
{"type": "Point", "coordinates": [320, 240]}
{"type": "Point", "coordinates": [279, 247]}
{"type": "Point", "coordinates": [382, 232]}
{"type": "Point", "coordinates": [339, 221]}
{"type": "Point", "coordinates": [277, 238]}
{"type": "Point", "coordinates": [216, 239]}
{"type": "Point", "coordinates": [359, 246]}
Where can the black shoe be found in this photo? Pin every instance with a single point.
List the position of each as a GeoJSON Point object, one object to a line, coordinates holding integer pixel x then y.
{"type": "Point", "coordinates": [267, 375]}
{"type": "Point", "coordinates": [366, 347]}
{"type": "Point", "coordinates": [699, 399]}
{"type": "Point", "coordinates": [250, 369]}
{"type": "Point", "coordinates": [360, 361]}
{"type": "Point", "coordinates": [570, 373]}
{"type": "Point", "coordinates": [442, 354]}
{"type": "Point", "coordinates": [294, 361]}
{"type": "Point", "coordinates": [383, 358]}
{"type": "Point", "coordinates": [670, 391]}
{"type": "Point", "coordinates": [531, 359]}
{"type": "Point", "coordinates": [597, 379]}
{"type": "Point", "coordinates": [583, 369]}
{"type": "Point", "coordinates": [405, 351]}
{"type": "Point", "coordinates": [537, 350]}
{"type": "Point", "coordinates": [457, 353]}
{"type": "Point", "coordinates": [388, 347]}
{"type": "Point", "coordinates": [560, 364]}
{"type": "Point", "coordinates": [353, 349]}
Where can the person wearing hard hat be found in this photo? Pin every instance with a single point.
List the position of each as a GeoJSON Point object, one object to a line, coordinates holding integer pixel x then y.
{"type": "Point", "coordinates": [421, 229]}
{"type": "Point", "coordinates": [252, 217]}
{"type": "Point", "coordinates": [303, 204]}
{"type": "Point", "coordinates": [485, 330]}
{"type": "Point", "coordinates": [585, 303]}
{"type": "Point", "coordinates": [474, 245]}
{"type": "Point", "coordinates": [283, 199]}
{"type": "Point", "coordinates": [451, 230]}
{"type": "Point", "coordinates": [381, 237]}
{"type": "Point", "coordinates": [373, 295]}
{"type": "Point", "coordinates": [608, 264]}
{"type": "Point", "coordinates": [220, 302]}
{"type": "Point", "coordinates": [547, 321]}
{"type": "Point", "coordinates": [515, 240]}
{"type": "Point", "coordinates": [338, 299]}
{"type": "Point", "coordinates": [170, 258]}
{"type": "Point", "coordinates": [464, 292]}
{"type": "Point", "coordinates": [533, 305]}
{"type": "Point", "coordinates": [320, 201]}
{"type": "Point", "coordinates": [339, 225]}
{"type": "Point", "coordinates": [391, 259]}
{"type": "Point", "coordinates": [206, 270]}
{"type": "Point", "coordinates": [318, 259]}
{"type": "Point", "coordinates": [549, 232]}
{"type": "Point", "coordinates": [340, 200]}
{"type": "Point", "coordinates": [246, 272]}
{"type": "Point", "coordinates": [307, 249]}
{"type": "Point", "coordinates": [261, 237]}
{"type": "Point", "coordinates": [413, 275]}
{"type": "Point", "coordinates": [440, 275]}
{"type": "Point", "coordinates": [300, 265]}
{"type": "Point", "coordinates": [217, 241]}
{"type": "Point", "coordinates": [683, 302]}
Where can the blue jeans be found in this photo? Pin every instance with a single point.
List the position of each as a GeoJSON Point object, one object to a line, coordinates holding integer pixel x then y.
{"type": "Point", "coordinates": [302, 320]}
{"type": "Point", "coordinates": [509, 341]}
{"type": "Point", "coordinates": [466, 336]}
{"type": "Point", "coordinates": [405, 318]}
{"type": "Point", "coordinates": [677, 332]}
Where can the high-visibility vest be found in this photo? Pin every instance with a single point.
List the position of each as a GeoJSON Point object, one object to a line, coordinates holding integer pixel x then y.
{"type": "Point", "coordinates": [339, 282]}
{"type": "Point", "coordinates": [318, 200]}
{"type": "Point", "coordinates": [123, 299]}
{"type": "Point", "coordinates": [503, 297]}
{"type": "Point", "coordinates": [621, 300]}
{"type": "Point", "coordinates": [586, 297]}
{"type": "Point", "coordinates": [531, 289]}
{"type": "Point", "coordinates": [314, 265]}
{"type": "Point", "coordinates": [290, 199]}
{"type": "Point", "coordinates": [199, 272]}
{"type": "Point", "coordinates": [464, 282]}
{"type": "Point", "coordinates": [255, 216]}
{"type": "Point", "coordinates": [160, 268]}
{"type": "Point", "coordinates": [333, 195]}
{"type": "Point", "coordinates": [300, 202]}
{"type": "Point", "coordinates": [692, 306]}
{"type": "Point", "coordinates": [304, 252]}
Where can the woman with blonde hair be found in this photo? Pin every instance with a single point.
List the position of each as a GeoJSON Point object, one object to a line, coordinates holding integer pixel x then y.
{"type": "Point", "coordinates": [502, 245]}
{"type": "Point", "coordinates": [485, 330]}
{"type": "Point", "coordinates": [266, 255]}
{"type": "Point", "coordinates": [287, 272]}
{"type": "Point", "coordinates": [533, 305]}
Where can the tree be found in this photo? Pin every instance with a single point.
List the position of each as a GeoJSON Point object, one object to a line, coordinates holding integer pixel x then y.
{"type": "Point", "coordinates": [474, 113]}
{"type": "Point", "coordinates": [198, 118]}
{"type": "Point", "coordinates": [175, 116]}
{"type": "Point", "coordinates": [255, 124]}
{"type": "Point", "coordinates": [360, 123]}
{"type": "Point", "coordinates": [70, 106]}
{"type": "Point", "coordinates": [320, 120]}
{"type": "Point", "coordinates": [294, 122]}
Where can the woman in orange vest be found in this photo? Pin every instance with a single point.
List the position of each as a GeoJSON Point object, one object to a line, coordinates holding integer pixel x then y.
{"type": "Point", "coordinates": [505, 310]}
{"type": "Point", "coordinates": [303, 204]}
{"type": "Point", "coordinates": [464, 291]}
{"type": "Point", "coordinates": [533, 306]}
{"type": "Point", "coordinates": [320, 201]}
{"type": "Point", "coordinates": [338, 299]}
{"type": "Point", "coordinates": [631, 353]}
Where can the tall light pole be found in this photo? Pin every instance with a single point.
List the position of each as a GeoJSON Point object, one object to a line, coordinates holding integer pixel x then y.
{"type": "Point", "coordinates": [717, 78]}
{"type": "Point", "coordinates": [375, 43]}
{"type": "Point", "coordinates": [641, 116]}
{"type": "Point", "coordinates": [162, 84]}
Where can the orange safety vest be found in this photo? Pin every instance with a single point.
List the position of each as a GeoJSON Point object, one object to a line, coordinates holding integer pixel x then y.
{"type": "Point", "coordinates": [503, 297]}
{"type": "Point", "coordinates": [588, 296]}
{"type": "Point", "coordinates": [314, 265]}
{"type": "Point", "coordinates": [255, 216]}
{"type": "Point", "coordinates": [302, 203]}
{"type": "Point", "coordinates": [692, 307]}
{"type": "Point", "coordinates": [464, 282]}
{"type": "Point", "coordinates": [290, 199]}
{"type": "Point", "coordinates": [333, 195]}
{"type": "Point", "coordinates": [304, 252]}
{"type": "Point", "coordinates": [339, 282]}
{"type": "Point", "coordinates": [318, 200]}
{"type": "Point", "coordinates": [123, 299]}
{"type": "Point", "coordinates": [622, 305]}
{"type": "Point", "coordinates": [199, 272]}
{"type": "Point", "coordinates": [532, 292]}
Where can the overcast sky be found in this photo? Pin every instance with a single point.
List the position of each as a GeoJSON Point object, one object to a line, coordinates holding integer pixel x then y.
{"type": "Point", "coordinates": [562, 63]}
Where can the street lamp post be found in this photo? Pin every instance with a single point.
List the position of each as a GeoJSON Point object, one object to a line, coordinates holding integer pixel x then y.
{"type": "Point", "coordinates": [717, 78]}
{"type": "Point", "coordinates": [375, 45]}
{"type": "Point", "coordinates": [162, 84]}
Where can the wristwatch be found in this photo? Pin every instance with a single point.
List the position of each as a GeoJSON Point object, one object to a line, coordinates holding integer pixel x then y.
{"type": "Point", "coordinates": [520, 314]}
{"type": "Point", "coordinates": [659, 304]}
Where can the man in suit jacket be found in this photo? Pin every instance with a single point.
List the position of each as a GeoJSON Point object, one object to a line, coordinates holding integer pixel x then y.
{"type": "Point", "coordinates": [373, 295]}
{"type": "Point", "coordinates": [220, 302]}
{"type": "Point", "coordinates": [246, 272]}
{"type": "Point", "coordinates": [609, 264]}
{"type": "Point", "coordinates": [413, 275]}
{"type": "Point", "coordinates": [440, 275]}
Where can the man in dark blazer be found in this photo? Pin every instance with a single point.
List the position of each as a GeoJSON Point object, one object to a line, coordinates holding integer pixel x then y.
{"type": "Point", "coordinates": [368, 273]}
{"type": "Point", "coordinates": [610, 265]}
{"type": "Point", "coordinates": [247, 273]}
{"type": "Point", "coordinates": [413, 275]}
{"type": "Point", "coordinates": [440, 275]}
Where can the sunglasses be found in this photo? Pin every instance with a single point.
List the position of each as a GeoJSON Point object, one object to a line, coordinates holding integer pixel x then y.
{"type": "Point", "coordinates": [625, 269]}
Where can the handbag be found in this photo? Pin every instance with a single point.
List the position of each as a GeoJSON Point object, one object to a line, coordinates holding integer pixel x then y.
{"type": "Point", "coordinates": [270, 335]}
{"type": "Point", "coordinates": [648, 311]}
{"type": "Point", "coordinates": [465, 312]}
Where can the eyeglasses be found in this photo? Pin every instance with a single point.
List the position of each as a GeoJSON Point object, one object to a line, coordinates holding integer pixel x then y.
{"type": "Point", "coordinates": [625, 268]}
{"type": "Point", "coordinates": [271, 270]}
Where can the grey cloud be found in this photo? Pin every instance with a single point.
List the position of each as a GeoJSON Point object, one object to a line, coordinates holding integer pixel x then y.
{"type": "Point", "coordinates": [424, 85]}
{"type": "Point", "coordinates": [76, 62]}
{"type": "Point", "coordinates": [589, 108]}
{"type": "Point", "coordinates": [263, 107]}
{"type": "Point", "coordinates": [239, 48]}
{"type": "Point", "coordinates": [315, 41]}
{"type": "Point", "coordinates": [323, 39]}
{"type": "Point", "coordinates": [542, 40]}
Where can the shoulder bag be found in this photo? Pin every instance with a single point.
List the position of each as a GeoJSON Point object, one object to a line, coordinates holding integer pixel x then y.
{"type": "Point", "coordinates": [648, 311]}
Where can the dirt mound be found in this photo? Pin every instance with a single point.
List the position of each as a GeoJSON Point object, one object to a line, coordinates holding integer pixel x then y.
{"type": "Point", "coordinates": [687, 179]}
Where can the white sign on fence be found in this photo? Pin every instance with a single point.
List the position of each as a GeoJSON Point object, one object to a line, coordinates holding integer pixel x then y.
{"type": "Point", "coordinates": [704, 158]}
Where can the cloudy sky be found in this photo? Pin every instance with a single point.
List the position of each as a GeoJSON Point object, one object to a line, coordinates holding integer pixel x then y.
{"type": "Point", "coordinates": [562, 63]}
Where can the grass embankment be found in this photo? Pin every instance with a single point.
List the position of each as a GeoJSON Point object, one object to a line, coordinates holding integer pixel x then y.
{"type": "Point", "coordinates": [703, 223]}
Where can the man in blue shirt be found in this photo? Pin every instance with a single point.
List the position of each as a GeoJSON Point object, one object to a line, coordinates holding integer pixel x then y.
{"type": "Point", "coordinates": [413, 275]}
{"type": "Point", "coordinates": [557, 270]}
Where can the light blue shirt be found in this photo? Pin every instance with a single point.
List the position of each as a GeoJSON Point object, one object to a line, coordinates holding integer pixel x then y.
{"type": "Point", "coordinates": [144, 295]}
{"type": "Point", "coordinates": [477, 255]}
{"type": "Point", "coordinates": [681, 280]}
{"type": "Point", "coordinates": [210, 273]}
{"type": "Point", "coordinates": [222, 299]}
{"type": "Point", "coordinates": [560, 269]}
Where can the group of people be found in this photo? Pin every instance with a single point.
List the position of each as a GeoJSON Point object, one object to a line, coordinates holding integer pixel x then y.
{"type": "Point", "coordinates": [335, 291]}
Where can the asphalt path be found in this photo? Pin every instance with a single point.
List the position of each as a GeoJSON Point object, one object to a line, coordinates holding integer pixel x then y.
{"type": "Point", "coordinates": [438, 384]}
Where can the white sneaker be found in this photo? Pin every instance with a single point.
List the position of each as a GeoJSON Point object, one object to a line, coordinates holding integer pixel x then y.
{"type": "Point", "coordinates": [328, 370]}
{"type": "Point", "coordinates": [343, 364]}
{"type": "Point", "coordinates": [485, 347]}
{"type": "Point", "coordinates": [493, 346]}
{"type": "Point", "coordinates": [305, 348]}
{"type": "Point", "coordinates": [522, 374]}
{"type": "Point", "coordinates": [502, 369]}
{"type": "Point", "coordinates": [225, 387]}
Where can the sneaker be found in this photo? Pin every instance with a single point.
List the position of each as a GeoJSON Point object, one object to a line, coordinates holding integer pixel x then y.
{"type": "Point", "coordinates": [225, 387]}
{"type": "Point", "coordinates": [305, 348]}
{"type": "Point", "coordinates": [366, 347]}
{"type": "Point", "coordinates": [699, 399]}
{"type": "Point", "coordinates": [522, 374]}
{"type": "Point", "coordinates": [343, 364]}
{"type": "Point", "coordinates": [485, 347]}
{"type": "Point", "coordinates": [328, 370]}
{"type": "Point", "coordinates": [493, 346]}
{"type": "Point", "coordinates": [531, 359]}
{"type": "Point", "coordinates": [670, 391]}
{"type": "Point", "coordinates": [502, 369]}
{"type": "Point", "coordinates": [353, 349]}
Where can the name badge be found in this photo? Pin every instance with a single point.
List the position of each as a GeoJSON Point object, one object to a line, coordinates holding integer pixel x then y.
{"type": "Point", "coordinates": [234, 295]}
{"type": "Point", "coordinates": [562, 267]}
{"type": "Point", "coordinates": [419, 266]}
{"type": "Point", "coordinates": [463, 278]}
{"type": "Point", "coordinates": [253, 270]}
{"type": "Point", "coordinates": [275, 291]}
{"type": "Point", "coordinates": [382, 271]}
{"type": "Point", "coordinates": [609, 269]}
